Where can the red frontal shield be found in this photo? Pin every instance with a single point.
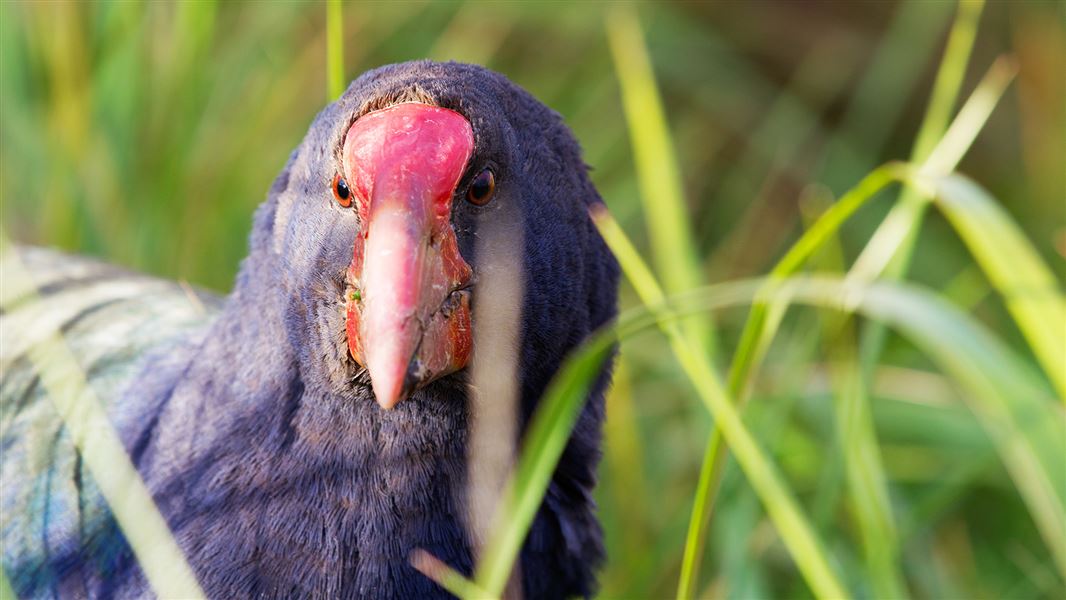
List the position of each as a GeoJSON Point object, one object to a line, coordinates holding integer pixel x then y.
{"type": "Point", "coordinates": [408, 314]}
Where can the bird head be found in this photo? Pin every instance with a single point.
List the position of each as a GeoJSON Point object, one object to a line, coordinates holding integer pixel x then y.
{"type": "Point", "coordinates": [372, 228]}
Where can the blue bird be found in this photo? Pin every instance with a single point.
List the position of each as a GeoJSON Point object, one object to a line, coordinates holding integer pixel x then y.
{"type": "Point", "coordinates": [305, 434]}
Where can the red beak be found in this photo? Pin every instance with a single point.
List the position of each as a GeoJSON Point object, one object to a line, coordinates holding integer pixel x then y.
{"type": "Point", "coordinates": [408, 312]}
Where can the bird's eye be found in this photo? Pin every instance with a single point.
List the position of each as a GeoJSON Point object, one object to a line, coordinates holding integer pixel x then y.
{"type": "Point", "coordinates": [341, 191]}
{"type": "Point", "coordinates": [482, 188]}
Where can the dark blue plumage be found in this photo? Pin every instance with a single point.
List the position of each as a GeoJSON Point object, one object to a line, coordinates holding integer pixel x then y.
{"type": "Point", "coordinates": [259, 436]}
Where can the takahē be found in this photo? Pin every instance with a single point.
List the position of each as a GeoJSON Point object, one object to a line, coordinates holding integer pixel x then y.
{"type": "Point", "coordinates": [304, 435]}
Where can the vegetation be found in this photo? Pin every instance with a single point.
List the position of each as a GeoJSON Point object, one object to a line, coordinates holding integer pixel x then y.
{"type": "Point", "coordinates": [868, 200]}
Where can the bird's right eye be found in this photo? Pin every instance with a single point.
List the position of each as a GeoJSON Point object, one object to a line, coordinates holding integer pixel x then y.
{"type": "Point", "coordinates": [341, 191]}
{"type": "Point", "coordinates": [482, 188]}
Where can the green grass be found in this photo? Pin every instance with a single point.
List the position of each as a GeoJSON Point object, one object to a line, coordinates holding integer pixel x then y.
{"type": "Point", "coordinates": [6, 592]}
{"type": "Point", "coordinates": [335, 48]}
{"type": "Point", "coordinates": [890, 421]}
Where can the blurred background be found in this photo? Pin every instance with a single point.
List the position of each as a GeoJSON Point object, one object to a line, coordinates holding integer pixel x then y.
{"type": "Point", "coordinates": [147, 133]}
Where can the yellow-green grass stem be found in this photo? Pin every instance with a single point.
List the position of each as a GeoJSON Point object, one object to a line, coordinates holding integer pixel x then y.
{"type": "Point", "coordinates": [1034, 300]}
{"type": "Point", "coordinates": [6, 591]}
{"type": "Point", "coordinates": [658, 171]}
{"type": "Point", "coordinates": [856, 436]}
{"type": "Point", "coordinates": [335, 48]}
{"type": "Point", "coordinates": [904, 220]}
{"type": "Point", "coordinates": [1014, 267]}
{"type": "Point", "coordinates": [447, 577]}
{"type": "Point", "coordinates": [755, 328]}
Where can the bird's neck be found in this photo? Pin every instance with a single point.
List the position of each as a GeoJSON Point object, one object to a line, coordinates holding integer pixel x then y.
{"type": "Point", "coordinates": [276, 486]}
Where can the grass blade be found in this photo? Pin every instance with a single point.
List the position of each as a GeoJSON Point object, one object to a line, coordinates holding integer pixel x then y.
{"type": "Point", "coordinates": [651, 294]}
{"type": "Point", "coordinates": [544, 442]}
{"type": "Point", "coordinates": [864, 471]}
{"type": "Point", "coordinates": [1013, 409]}
{"type": "Point", "coordinates": [972, 117]}
{"type": "Point", "coordinates": [888, 251]}
{"type": "Point", "coordinates": [893, 243]}
{"type": "Point", "coordinates": [1014, 268]}
{"type": "Point", "coordinates": [673, 250]}
{"type": "Point", "coordinates": [859, 454]}
{"type": "Point", "coordinates": [335, 48]}
{"type": "Point", "coordinates": [1003, 392]}
{"type": "Point", "coordinates": [747, 356]}
{"type": "Point", "coordinates": [702, 505]}
{"type": "Point", "coordinates": [949, 78]}
{"type": "Point", "coordinates": [892, 76]}
{"type": "Point", "coordinates": [445, 576]}
{"type": "Point", "coordinates": [623, 461]}
{"type": "Point", "coordinates": [6, 591]}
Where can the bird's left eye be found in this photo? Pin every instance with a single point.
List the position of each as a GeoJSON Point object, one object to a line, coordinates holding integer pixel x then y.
{"type": "Point", "coordinates": [341, 191]}
{"type": "Point", "coordinates": [482, 188]}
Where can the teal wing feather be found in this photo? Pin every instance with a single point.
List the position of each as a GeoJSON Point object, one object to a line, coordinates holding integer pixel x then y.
{"type": "Point", "coordinates": [59, 538]}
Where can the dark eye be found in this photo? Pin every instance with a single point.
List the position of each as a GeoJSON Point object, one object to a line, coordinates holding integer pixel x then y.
{"type": "Point", "coordinates": [341, 191]}
{"type": "Point", "coordinates": [482, 188]}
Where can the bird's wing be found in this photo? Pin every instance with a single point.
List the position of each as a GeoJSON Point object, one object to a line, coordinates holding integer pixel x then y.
{"type": "Point", "coordinates": [58, 536]}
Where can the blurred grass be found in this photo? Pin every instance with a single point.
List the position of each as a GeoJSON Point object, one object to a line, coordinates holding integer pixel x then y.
{"type": "Point", "coordinates": [335, 48]}
{"type": "Point", "coordinates": [6, 591]}
{"type": "Point", "coordinates": [147, 134]}
{"type": "Point", "coordinates": [867, 486]}
{"type": "Point", "coordinates": [665, 209]}
{"type": "Point", "coordinates": [1031, 294]}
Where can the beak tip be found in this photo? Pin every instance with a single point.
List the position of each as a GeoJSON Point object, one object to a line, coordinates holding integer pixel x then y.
{"type": "Point", "coordinates": [387, 396]}
{"type": "Point", "coordinates": [387, 404]}
{"type": "Point", "coordinates": [386, 363]}
{"type": "Point", "coordinates": [391, 391]}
